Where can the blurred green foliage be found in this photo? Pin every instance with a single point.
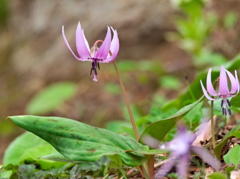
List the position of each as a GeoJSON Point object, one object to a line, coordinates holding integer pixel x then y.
{"type": "Point", "coordinates": [4, 11]}
{"type": "Point", "coordinates": [143, 65]}
{"type": "Point", "coordinates": [233, 133]}
{"type": "Point", "coordinates": [228, 171]}
{"type": "Point", "coordinates": [230, 20]}
{"type": "Point", "coordinates": [194, 29]}
{"type": "Point", "coordinates": [194, 117]}
{"type": "Point", "coordinates": [233, 156]}
{"type": "Point", "coordinates": [112, 88]}
{"type": "Point", "coordinates": [217, 175]}
{"type": "Point", "coordinates": [194, 26]}
{"type": "Point", "coordinates": [6, 127]}
{"type": "Point", "coordinates": [170, 82]}
{"type": "Point", "coordinates": [51, 97]}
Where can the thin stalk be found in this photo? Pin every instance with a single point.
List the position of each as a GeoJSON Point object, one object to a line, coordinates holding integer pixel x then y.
{"type": "Point", "coordinates": [151, 166]}
{"type": "Point", "coordinates": [148, 167]}
{"type": "Point", "coordinates": [123, 173]}
{"type": "Point", "coordinates": [126, 101]}
{"type": "Point", "coordinates": [212, 125]}
{"type": "Point", "coordinates": [140, 170]}
{"type": "Point", "coordinates": [225, 121]}
{"type": "Point", "coordinates": [190, 90]}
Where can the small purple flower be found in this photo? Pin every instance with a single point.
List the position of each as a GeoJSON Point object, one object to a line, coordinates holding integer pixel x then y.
{"type": "Point", "coordinates": [181, 148]}
{"type": "Point", "coordinates": [224, 92]}
{"type": "Point", "coordinates": [106, 53]}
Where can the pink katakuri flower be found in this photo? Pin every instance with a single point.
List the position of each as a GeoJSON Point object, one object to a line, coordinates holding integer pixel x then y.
{"type": "Point", "coordinates": [106, 53]}
{"type": "Point", "coordinates": [223, 91]}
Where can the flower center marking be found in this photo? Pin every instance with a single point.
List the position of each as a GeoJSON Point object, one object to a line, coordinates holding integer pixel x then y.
{"type": "Point", "coordinates": [95, 63]}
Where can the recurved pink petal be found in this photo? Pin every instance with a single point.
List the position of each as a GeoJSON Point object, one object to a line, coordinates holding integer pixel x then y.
{"type": "Point", "coordinates": [86, 42]}
{"type": "Point", "coordinates": [205, 92]}
{"type": "Point", "coordinates": [206, 157]}
{"type": "Point", "coordinates": [114, 47]}
{"type": "Point", "coordinates": [81, 44]}
{"type": "Point", "coordinates": [182, 166]}
{"type": "Point", "coordinates": [162, 171]}
{"type": "Point", "coordinates": [234, 82]}
{"type": "Point", "coordinates": [223, 83]}
{"type": "Point", "coordinates": [237, 82]}
{"type": "Point", "coordinates": [103, 51]}
{"type": "Point", "coordinates": [210, 88]}
{"type": "Point", "coordinates": [236, 77]}
{"type": "Point", "coordinates": [65, 40]}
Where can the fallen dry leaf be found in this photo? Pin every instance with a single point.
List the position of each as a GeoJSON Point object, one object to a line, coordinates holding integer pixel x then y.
{"type": "Point", "coordinates": [204, 132]}
{"type": "Point", "coordinates": [235, 174]}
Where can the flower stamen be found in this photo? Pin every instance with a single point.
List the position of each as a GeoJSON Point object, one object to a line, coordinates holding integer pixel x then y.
{"type": "Point", "coordinates": [223, 111]}
{"type": "Point", "coordinates": [228, 102]}
{"type": "Point", "coordinates": [96, 43]}
{"type": "Point", "coordinates": [229, 111]}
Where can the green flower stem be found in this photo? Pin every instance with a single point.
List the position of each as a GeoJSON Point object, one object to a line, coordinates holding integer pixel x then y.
{"type": "Point", "coordinates": [225, 121]}
{"type": "Point", "coordinates": [212, 125]}
{"type": "Point", "coordinates": [126, 101]}
{"type": "Point", "coordinates": [148, 167]}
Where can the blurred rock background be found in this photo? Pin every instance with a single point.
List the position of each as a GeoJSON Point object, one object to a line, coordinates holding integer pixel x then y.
{"type": "Point", "coordinates": [33, 54]}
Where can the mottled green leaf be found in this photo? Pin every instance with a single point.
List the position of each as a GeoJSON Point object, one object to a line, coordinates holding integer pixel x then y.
{"type": "Point", "coordinates": [18, 147]}
{"type": "Point", "coordinates": [29, 147]}
{"type": "Point", "coordinates": [148, 152]}
{"type": "Point", "coordinates": [34, 154]}
{"type": "Point", "coordinates": [80, 142]}
{"type": "Point", "coordinates": [160, 128]}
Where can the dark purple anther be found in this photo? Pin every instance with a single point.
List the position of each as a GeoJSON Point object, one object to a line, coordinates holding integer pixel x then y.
{"type": "Point", "coordinates": [223, 111]}
{"type": "Point", "coordinates": [229, 111]}
{"type": "Point", "coordinates": [228, 102]}
{"type": "Point", "coordinates": [222, 103]}
{"type": "Point", "coordinates": [95, 71]}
